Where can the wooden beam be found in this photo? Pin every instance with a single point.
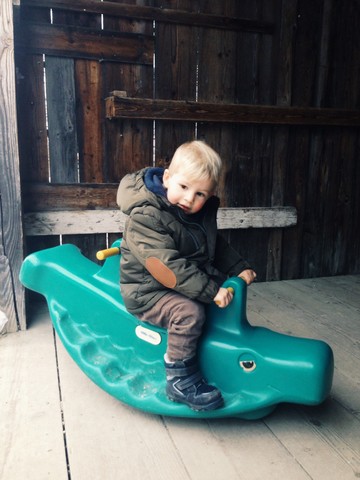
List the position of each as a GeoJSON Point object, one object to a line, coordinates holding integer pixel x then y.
{"type": "Point", "coordinates": [81, 42]}
{"type": "Point", "coordinates": [166, 15]}
{"type": "Point", "coordinates": [177, 110]}
{"type": "Point", "coordinates": [60, 196]}
{"type": "Point", "coordinates": [113, 221]}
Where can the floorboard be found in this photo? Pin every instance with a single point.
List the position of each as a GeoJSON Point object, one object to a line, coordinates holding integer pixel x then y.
{"type": "Point", "coordinates": [109, 440]}
{"type": "Point", "coordinates": [31, 435]}
{"type": "Point", "coordinates": [301, 308]}
{"type": "Point", "coordinates": [56, 424]}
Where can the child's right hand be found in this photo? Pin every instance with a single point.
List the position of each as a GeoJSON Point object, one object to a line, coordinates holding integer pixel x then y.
{"type": "Point", "coordinates": [248, 276]}
{"type": "Point", "coordinates": [223, 297]}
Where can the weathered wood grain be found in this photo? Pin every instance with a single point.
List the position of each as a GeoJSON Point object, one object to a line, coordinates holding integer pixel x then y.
{"type": "Point", "coordinates": [295, 305]}
{"type": "Point", "coordinates": [178, 110]}
{"type": "Point", "coordinates": [32, 127]}
{"type": "Point", "coordinates": [8, 318]}
{"type": "Point", "coordinates": [176, 55]}
{"type": "Point", "coordinates": [63, 142]}
{"type": "Point", "coordinates": [280, 136]}
{"type": "Point", "coordinates": [88, 82]}
{"type": "Point", "coordinates": [298, 64]}
{"type": "Point", "coordinates": [167, 15]}
{"type": "Point", "coordinates": [128, 146]}
{"type": "Point", "coordinates": [86, 161]}
{"type": "Point", "coordinates": [112, 221]}
{"type": "Point", "coordinates": [79, 42]}
{"type": "Point", "coordinates": [217, 75]}
{"type": "Point", "coordinates": [127, 443]}
{"type": "Point", "coordinates": [11, 245]}
{"type": "Point", "coordinates": [31, 428]}
{"type": "Point", "coordinates": [107, 439]}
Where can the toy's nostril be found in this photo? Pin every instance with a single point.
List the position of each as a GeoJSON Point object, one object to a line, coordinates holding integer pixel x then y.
{"type": "Point", "coordinates": [248, 365]}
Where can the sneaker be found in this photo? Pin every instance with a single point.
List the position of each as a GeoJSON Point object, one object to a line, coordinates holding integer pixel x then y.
{"type": "Point", "coordinates": [185, 384]}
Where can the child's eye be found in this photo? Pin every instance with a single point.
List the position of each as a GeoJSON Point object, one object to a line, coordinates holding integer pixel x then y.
{"type": "Point", "coordinates": [200, 194]}
{"type": "Point", "coordinates": [184, 187]}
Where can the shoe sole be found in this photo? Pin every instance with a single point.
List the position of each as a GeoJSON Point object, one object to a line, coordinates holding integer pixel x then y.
{"type": "Point", "coordinates": [219, 402]}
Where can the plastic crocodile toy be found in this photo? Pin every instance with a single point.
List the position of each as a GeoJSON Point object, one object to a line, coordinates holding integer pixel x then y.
{"type": "Point", "coordinates": [254, 367]}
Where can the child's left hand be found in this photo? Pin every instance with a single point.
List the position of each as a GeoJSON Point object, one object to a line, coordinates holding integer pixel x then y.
{"type": "Point", "coordinates": [223, 297]}
{"type": "Point", "coordinates": [248, 276]}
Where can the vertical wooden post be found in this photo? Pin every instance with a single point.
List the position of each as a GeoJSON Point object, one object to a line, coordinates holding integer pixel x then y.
{"type": "Point", "coordinates": [12, 297]}
{"type": "Point", "coordinates": [285, 39]}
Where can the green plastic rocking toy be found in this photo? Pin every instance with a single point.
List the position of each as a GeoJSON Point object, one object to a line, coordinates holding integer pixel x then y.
{"type": "Point", "coordinates": [255, 368]}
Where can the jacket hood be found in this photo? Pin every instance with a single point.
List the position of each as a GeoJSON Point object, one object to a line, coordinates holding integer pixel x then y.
{"type": "Point", "coordinates": [133, 192]}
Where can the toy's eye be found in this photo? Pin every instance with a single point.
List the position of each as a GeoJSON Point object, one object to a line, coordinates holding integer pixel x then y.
{"type": "Point", "coordinates": [247, 365]}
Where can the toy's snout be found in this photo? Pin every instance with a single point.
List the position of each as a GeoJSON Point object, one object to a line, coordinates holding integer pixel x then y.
{"type": "Point", "coordinates": [278, 367]}
{"type": "Point", "coordinates": [293, 369]}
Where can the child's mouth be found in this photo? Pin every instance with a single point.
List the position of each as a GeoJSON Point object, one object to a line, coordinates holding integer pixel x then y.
{"type": "Point", "coordinates": [183, 207]}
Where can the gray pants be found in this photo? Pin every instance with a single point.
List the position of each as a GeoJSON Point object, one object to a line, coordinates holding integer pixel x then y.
{"type": "Point", "coordinates": [183, 318]}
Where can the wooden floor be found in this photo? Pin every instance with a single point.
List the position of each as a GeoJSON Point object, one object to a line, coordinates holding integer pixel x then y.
{"type": "Point", "coordinates": [56, 424]}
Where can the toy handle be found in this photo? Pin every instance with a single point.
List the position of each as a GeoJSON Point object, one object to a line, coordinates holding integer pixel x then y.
{"type": "Point", "coordinates": [231, 290]}
{"type": "Point", "coordinates": [108, 252]}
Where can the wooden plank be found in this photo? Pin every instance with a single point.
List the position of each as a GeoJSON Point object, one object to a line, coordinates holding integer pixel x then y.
{"type": "Point", "coordinates": [326, 304]}
{"type": "Point", "coordinates": [165, 15]}
{"type": "Point", "coordinates": [8, 320]}
{"type": "Point", "coordinates": [240, 448]}
{"type": "Point", "coordinates": [90, 119]}
{"type": "Point", "coordinates": [176, 53]}
{"type": "Point", "coordinates": [32, 118]}
{"type": "Point", "coordinates": [230, 445]}
{"type": "Point", "coordinates": [112, 221]}
{"type": "Point", "coordinates": [284, 46]}
{"type": "Point", "coordinates": [296, 304]}
{"type": "Point", "coordinates": [326, 445]}
{"type": "Point", "coordinates": [13, 305]}
{"type": "Point", "coordinates": [74, 222]}
{"type": "Point", "coordinates": [87, 159]}
{"type": "Point", "coordinates": [107, 439]}
{"type": "Point", "coordinates": [297, 308]}
{"type": "Point", "coordinates": [323, 66]}
{"type": "Point", "coordinates": [230, 72]}
{"type": "Point", "coordinates": [348, 208]}
{"type": "Point", "coordinates": [345, 288]}
{"type": "Point", "coordinates": [295, 192]}
{"type": "Point", "coordinates": [345, 70]}
{"type": "Point", "coordinates": [52, 197]}
{"type": "Point", "coordinates": [33, 139]}
{"type": "Point", "coordinates": [31, 430]}
{"type": "Point", "coordinates": [216, 81]}
{"type": "Point", "coordinates": [124, 107]}
{"type": "Point", "coordinates": [77, 42]}
{"type": "Point", "coordinates": [337, 216]}
{"type": "Point", "coordinates": [63, 144]}
{"type": "Point", "coordinates": [128, 147]}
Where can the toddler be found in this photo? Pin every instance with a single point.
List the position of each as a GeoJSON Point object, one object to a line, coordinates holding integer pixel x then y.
{"type": "Point", "coordinates": [174, 261]}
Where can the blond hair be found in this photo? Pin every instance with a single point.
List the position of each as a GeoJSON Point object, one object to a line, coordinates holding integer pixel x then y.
{"type": "Point", "coordinates": [198, 160]}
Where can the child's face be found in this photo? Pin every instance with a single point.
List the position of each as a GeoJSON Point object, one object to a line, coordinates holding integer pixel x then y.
{"type": "Point", "coordinates": [188, 194]}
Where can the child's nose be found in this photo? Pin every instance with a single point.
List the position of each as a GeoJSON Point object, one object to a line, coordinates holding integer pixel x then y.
{"type": "Point", "coordinates": [189, 197]}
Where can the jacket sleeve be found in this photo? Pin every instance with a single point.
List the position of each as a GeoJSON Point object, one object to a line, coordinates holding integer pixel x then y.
{"type": "Point", "coordinates": [227, 259]}
{"type": "Point", "coordinates": [151, 243]}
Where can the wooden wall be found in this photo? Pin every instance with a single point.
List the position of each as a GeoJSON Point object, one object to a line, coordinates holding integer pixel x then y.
{"type": "Point", "coordinates": [12, 299]}
{"type": "Point", "coordinates": [300, 58]}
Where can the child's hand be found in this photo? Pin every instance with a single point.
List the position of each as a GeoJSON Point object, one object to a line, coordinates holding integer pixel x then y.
{"type": "Point", "coordinates": [223, 297]}
{"type": "Point", "coordinates": [248, 276]}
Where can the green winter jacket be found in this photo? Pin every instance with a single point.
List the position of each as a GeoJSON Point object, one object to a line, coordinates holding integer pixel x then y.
{"type": "Point", "coordinates": [164, 249]}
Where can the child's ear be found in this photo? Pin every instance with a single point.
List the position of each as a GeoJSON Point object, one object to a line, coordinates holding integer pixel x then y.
{"type": "Point", "coordinates": [166, 177]}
